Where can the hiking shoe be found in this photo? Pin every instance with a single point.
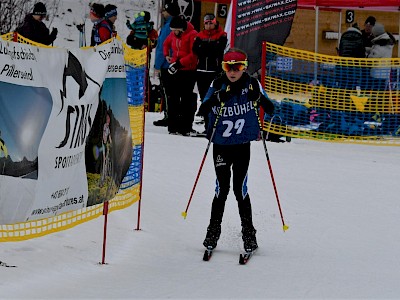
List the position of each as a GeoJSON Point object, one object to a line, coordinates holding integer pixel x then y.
{"type": "Point", "coordinates": [212, 236]}
{"type": "Point", "coordinates": [249, 239]}
{"type": "Point", "coordinates": [162, 122]}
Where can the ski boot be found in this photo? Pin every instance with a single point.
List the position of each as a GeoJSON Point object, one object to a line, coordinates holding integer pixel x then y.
{"type": "Point", "coordinates": [212, 236]}
{"type": "Point", "coordinates": [249, 239]}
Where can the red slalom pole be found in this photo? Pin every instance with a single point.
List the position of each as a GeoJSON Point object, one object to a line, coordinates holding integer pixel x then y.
{"type": "Point", "coordinates": [105, 213]}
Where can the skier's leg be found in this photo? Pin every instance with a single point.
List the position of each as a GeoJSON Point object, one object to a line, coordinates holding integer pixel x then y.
{"type": "Point", "coordinates": [240, 168]}
{"type": "Point", "coordinates": [223, 172]}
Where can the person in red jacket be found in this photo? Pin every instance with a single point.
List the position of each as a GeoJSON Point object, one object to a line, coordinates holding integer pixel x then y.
{"type": "Point", "coordinates": [209, 46]}
{"type": "Point", "coordinates": [177, 49]}
{"type": "Point", "coordinates": [102, 31]}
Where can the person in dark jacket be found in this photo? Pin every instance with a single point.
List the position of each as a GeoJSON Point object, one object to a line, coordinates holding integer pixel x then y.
{"type": "Point", "coordinates": [351, 45]}
{"type": "Point", "coordinates": [101, 31]}
{"type": "Point", "coordinates": [209, 46]}
{"type": "Point", "coordinates": [367, 35]}
{"type": "Point", "coordinates": [170, 10]}
{"type": "Point", "coordinates": [232, 104]}
{"type": "Point", "coordinates": [33, 27]}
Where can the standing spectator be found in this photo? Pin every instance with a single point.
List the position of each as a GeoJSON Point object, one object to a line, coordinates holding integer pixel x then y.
{"type": "Point", "coordinates": [367, 35]}
{"type": "Point", "coordinates": [209, 46]}
{"type": "Point", "coordinates": [170, 10]}
{"type": "Point", "coordinates": [33, 27]}
{"type": "Point", "coordinates": [351, 45]}
{"type": "Point", "coordinates": [101, 31]}
{"type": "Point", "coordinates": [382, 47]}
{"type": "Point", "coordinates": [182, 103]}
{"type": "Point", "coordinates": [239, 93]}
{"type": "Point", "coordinates": [111, 15]}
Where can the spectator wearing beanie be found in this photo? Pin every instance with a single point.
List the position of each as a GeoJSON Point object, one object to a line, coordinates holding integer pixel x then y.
{"type": "Point", "coordinates": [111, 15]}
{"type": "Point", "coordinates": [367, 31]}
{"type": "Point", "coordinates": [101, 31]}
{"type": "Point", "coordinates": [382, 47]}
{"type": "Point", "coordinates": [182, 103]}
{"type": "Point", "coordinates": [170, 10]}
{"type": "Point", "coordinates": [33, 27]}
{"type": "Point", "coordinates": [209, 46]}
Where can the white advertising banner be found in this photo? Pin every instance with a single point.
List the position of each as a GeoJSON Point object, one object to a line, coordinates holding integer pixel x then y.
{"type": "Point", "coordinates": [50, 121]}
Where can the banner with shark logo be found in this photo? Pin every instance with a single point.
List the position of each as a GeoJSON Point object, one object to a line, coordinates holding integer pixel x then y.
{"type": "Point", "coordinates": [64, 128]}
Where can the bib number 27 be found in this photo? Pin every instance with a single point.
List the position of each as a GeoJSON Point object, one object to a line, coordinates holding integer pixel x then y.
{"type": "Point", "coordinates": [233, 127]}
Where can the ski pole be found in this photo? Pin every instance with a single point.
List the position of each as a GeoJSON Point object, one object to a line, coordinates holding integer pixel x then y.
{"type": "Point", "coordinates": [285, 227]}
{"type": "Point", "coordinates": [184, 214]}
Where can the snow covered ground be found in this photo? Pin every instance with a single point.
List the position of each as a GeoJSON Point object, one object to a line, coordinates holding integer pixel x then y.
{"type": "Point", "coordinates": [340, 201]}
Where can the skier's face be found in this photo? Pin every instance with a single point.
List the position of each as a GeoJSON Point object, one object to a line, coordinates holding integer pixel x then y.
{"type": "Point", "coordinates": [234, 70]}
{"type": "Point", "coordinates": [234, 75]}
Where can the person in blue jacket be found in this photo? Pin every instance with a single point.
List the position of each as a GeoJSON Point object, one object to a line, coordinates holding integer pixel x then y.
{"type": "Point", "coordinates": [170, 10]}
{"type": "Point", "coordinates": [232, 105]}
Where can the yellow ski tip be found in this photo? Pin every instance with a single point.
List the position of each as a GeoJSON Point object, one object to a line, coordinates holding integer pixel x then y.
{"type": "Point", "coordinates": [184, 214]}
{"type": "Point", "coordinates": [285, 227]}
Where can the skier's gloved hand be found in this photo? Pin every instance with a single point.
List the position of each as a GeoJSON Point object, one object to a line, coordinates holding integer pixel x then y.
{"type": "Point", "coordinates": [174, 67]}
{"type": "Point", "coordinates": [253, 93]}
{"type": "Point", "coordinates": [223, 94]}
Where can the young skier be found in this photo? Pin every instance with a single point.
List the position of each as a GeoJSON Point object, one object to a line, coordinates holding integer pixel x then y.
{"type": "Point", "coordinates": [232, 104]}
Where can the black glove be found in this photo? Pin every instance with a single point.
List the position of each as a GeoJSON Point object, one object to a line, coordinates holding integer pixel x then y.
{"type": "Point", "coordinates": [223, 94]}
{"type": "Point", "coordinates": [253, 93]}
{"type": "Point", "coordinates": [174, 67]}
{"type": "Point", "coordinates": [128, 24]}
{"type": "Point", "coordinates": [80, 27]}
{"type": "Point", "coordinates": [54, 32]}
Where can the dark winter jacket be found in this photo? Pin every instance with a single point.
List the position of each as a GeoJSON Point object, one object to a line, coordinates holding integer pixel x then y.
{"type": "Point", "coordinates": [36, 31]}
{"type": "Point", "coordinates": [209, 47]}
{"type": "Point", "coordinates": [239, 119]}
{"type": "Point", "coordinates": [182, 48]}
{"type": "Point", "coordinates": [351, 44]}
{"type": "Point", "coordinates": [367, 38]}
